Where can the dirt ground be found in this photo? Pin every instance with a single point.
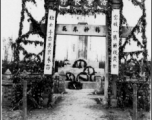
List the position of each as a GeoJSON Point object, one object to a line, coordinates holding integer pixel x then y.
{"type": "Point", "coordinates": [76, 105]}
{"type": "Point", "coordinates": [79, 105]}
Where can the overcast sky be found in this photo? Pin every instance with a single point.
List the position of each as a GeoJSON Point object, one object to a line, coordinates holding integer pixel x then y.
{"type": "Point", "coordinates": [10, 17]}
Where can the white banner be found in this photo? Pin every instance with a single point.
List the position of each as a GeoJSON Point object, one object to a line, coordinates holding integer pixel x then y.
{"type": "Point", "coordinates": [115, 41]}
{"type": "Point", "coordinates": [71, 29]}
{"type": "Point", "coordinates": [49, 42]}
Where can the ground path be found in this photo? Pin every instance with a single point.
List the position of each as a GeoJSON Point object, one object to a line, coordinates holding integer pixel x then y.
{"type": "Point", "coordinates": [78, 105]}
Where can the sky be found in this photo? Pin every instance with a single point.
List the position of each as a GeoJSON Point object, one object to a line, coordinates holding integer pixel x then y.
{"type": "Point", "coordinates": [10, 18]}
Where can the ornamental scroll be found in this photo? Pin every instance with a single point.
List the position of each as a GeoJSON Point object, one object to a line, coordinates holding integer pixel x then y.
{"type": "Point", "coordinates": [115, 41]}
{"type": "Point", "coordinates": [49, 42]}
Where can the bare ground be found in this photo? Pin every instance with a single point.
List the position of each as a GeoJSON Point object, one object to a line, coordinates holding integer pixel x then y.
{"type": "Point", "coordinates": [77, 105]}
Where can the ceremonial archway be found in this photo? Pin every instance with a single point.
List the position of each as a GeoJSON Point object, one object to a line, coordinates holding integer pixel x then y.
{"type": "Point", "coordinates": [51, 29]}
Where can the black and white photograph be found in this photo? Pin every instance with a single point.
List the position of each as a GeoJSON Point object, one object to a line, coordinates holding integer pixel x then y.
{"type": "Point", "coordinates": [76, 60]}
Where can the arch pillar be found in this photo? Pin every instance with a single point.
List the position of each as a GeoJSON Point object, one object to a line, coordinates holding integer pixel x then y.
{"type": "Point", "coordinates": [116, 4]}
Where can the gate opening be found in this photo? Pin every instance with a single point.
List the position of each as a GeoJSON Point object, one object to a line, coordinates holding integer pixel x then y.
{"type": "Point", "coordinates": [80, 54]}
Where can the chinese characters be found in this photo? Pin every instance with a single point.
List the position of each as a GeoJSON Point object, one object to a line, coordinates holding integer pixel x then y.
{"type": "Point", "coordinates": [75, 29]}
{"type": "Point", "coordinates": [64, 28]}
{"type": "Point", "coordinates": [49, 42]}
{"type": "Point", "coordinates": [97, 29]}
{"type": "Point", "coordinates": [86, 29]}
{"type": "Point", "coordinates": [115, 41]}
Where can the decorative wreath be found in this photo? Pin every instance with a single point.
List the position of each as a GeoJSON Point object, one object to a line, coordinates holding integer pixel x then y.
{"type": "Point", "coordinates": [70, 76]}
{"type": "Point", "coordinates": [90, 72]}
{"type": "Point", "coordinates": [80, 76]}
{"type": "Point", "coordinates": [78, 63]}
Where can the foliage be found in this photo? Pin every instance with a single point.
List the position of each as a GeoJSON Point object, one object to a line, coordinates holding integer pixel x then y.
{"type": "Point", "coordinates": [38, 88]}
{"type": "Point", "coordinates": [7, 65]}
{"type": "Point", "coordinates": [81, 7]}
{"type": "Point", "coordinates": [4, 66]}
{"type": "Point", "coordinates": [125, 96]}
{"type": "Point", "coordinates": [30, 66]}
{"type": "Point", "coordinates": [133, 68]}
{"type": "Point", "coordinates": [130, 70]}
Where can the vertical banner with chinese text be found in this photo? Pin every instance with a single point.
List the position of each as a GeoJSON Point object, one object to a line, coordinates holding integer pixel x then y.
{"type": "Point", "coordinates": [49, 42]}
{"type": "Point", "coordinates": [115, 41]}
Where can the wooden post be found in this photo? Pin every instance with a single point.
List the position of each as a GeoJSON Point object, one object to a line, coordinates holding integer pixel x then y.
{"type": "Point", "coordinates": [24, 99]}
{"type": "Point", "coordinates": [114, 88]}
{"type": "Point", "coordinates": [116, 4]}
{"type": "Point", "coordinates": [106, 82]}
{"type": "Point", "coordinates": [134, 101]}
{"type": "Point", "coordinates": [24, 75]}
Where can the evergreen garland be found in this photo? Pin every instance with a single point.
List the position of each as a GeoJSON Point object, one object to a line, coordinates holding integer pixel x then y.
{"type": "Point", "coordinates": [139, 28]}
{"type": "Point", "coordinates": [16, 53]}
{"type": "Point", "coordinates": [31, 42]}
{"type": "Point", "coordinates": [109, 17]}
{"type": "Point", "coordinates": [126, 69]}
